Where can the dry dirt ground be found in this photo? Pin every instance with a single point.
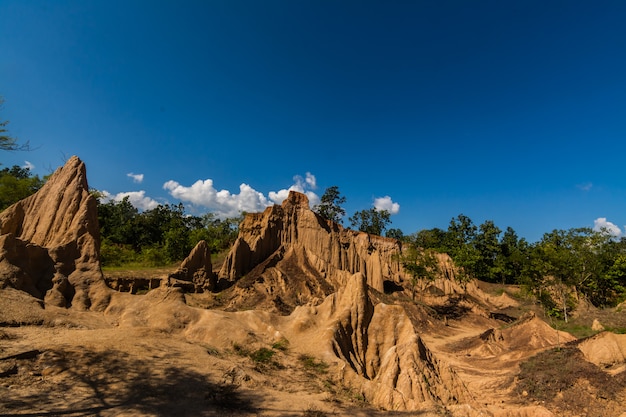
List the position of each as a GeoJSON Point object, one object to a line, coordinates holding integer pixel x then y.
{"type": "Point", "coordinates": [57, 362]}
{"type": "Point", "coordinates": [79, 371]}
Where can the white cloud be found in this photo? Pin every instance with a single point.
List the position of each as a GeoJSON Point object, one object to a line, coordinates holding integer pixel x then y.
{"type": "Point", "coordinates": [226, 204]}
{"type": "Point", "coordinates": [137, 178]}
{"type": "Point", "coordinates": [585, 186]}
{"type": "Point", "coordinates": [310, 179]}
{"type": "Point", "coordinates": [385, 203]}
{"type": "Point", "coordinates": [301, 185]}
{"type": "Point", "coordinates": [136, 198]}
{"type": "Point", "coordinates": [28, 165]}
{"type": "Point", "coordinates": [601, 224]}
{"type": "Point", "coordinates": [223, 202]}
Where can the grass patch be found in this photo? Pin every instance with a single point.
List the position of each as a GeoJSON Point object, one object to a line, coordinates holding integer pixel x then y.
{"type": "Point", "coordinates": [353, 396]}
{"type": "Point", "coordinates": [282, 345]}
{"type": "Point", "coordinates": [618, 330]}
{"type": "Point", "coordinates": [579, 330]}
{"type": "Point", "coordinates": [312, 364]}
{"type": "Point", "coordinates": [262, 355]}
{"type": "Point", "coordinates": [138, 270]}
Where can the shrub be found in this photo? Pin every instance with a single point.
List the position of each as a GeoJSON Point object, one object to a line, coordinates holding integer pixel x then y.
{"type": "Point", "coordinates": [310, 363]}
{"type": "Point", "coordinates": [282, 345]}
{"type": "Point", "coordinates": [262, 355]}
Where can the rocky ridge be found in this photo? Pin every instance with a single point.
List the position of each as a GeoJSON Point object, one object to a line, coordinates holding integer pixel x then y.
{"type": "Point", "coordinates": [380, 353]}
{"type": "Point", "coordinates": [49, 242]}
{"type": "Point", "coordinates": [290, 240]}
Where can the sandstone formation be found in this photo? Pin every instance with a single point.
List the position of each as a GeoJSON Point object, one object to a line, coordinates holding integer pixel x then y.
{"type": "Point", "coordinates": [523, 338]}
{"type": "Point", "coordinates": [49, 242]}
{"type": "Point", "coordinates": [606, 350]}
{"type": "Point", "coordinates": [373, 348]}
{"type": "Point", "coordinates": [196, 271]}
{"type": "Point", "coordinates": [382, 356]}
{"type": "Point", "coordinates": [297, 256]}
{"type": "Point", "coordinates": [596, 326]}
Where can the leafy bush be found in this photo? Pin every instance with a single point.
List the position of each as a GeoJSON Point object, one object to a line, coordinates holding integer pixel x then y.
{"type": "Point", "coordinates": [262, 355]}
{"type": "Point", "coordinates": [282, 345]}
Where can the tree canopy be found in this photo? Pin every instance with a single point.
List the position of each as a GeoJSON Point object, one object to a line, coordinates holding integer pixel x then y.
{"type": "Point", "coordinates": [160, 236]}
{"type": "Point", "coordinates": [571, 263]}
{"type": "Point", "coordinates": [330, 205]}
{"type": "Point", "coordinates": [371, 221]}
{"type": "Point", "coordinates": [17, 183]}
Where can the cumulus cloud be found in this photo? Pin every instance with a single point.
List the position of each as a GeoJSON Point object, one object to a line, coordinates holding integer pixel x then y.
{"type": "Point", "coordinates": [28, 165]}
{"type": "Point", "coordinates": [137, 198]}
{"type": "Point", "coordinates": [601, 224]}
{"type": "Point", "coordinates": [137, 178]}
{"type": "Point", "coordinates": [385, 203]}
{"type": "Point", "coordinates": [226, 204]}
{"type": "Point", "coordinates": [311, 181]}
{"type": "Point", "coordinates": [304, 185]}
{"type": "Point", "coordinates": [223, 202]}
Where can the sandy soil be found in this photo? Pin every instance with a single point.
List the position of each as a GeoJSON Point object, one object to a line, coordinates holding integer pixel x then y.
{"type": "Point", "coordinates": [80, 365]}
{"type": "Point", "coordinates": [58, 362]}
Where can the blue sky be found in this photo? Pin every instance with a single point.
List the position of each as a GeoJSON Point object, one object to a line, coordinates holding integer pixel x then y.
{"type": "Point", "coordinates": [511, 111]}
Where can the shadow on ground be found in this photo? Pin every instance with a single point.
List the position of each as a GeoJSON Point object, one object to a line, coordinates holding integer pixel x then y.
{"type": "Point", "coordinates": [111, 382]}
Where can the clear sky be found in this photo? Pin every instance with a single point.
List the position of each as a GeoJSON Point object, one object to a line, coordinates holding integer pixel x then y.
{"type": "Point", "coordinates": [511, 111]}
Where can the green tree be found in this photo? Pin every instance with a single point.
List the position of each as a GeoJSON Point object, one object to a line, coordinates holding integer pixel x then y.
{"type": "Point", "coordinates": [513, 260]}
{"type": "Point", "coordinates": [395, 234]}
{"type": "Point", "coordinates": [118, 224]}
{"type": "Point", "coordinates": [9, 143]}
{"type": "Point", "coordinates": [17, 183]}
{"type": "Point", "coordinates": [461, 232]}
{"type": "Point", "coordinates": [487, 245]}
{"type": "Point", "coordinates": [330, 205]}
{"type": "Point", "coordinates": [158, 236]}
{"type": "Point", "coordinates": [612, 284]}
{"type": "Point", "coordinates": [570, 262]}
{"type": "Point", "coordinates": [219, 234]}
{"type": "Point", "coordinates": [371, 221]}
{"type": "Point", "coordinates": [430, 239]}
{"type": "Point", "coordinates": [459, 244]}
{"type": "Point", "coordinates": [423, 266]}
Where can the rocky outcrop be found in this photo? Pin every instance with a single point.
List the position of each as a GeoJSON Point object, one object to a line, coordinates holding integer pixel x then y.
{"type": "Point", "coordinates": [49, 242]}
{"type": "Point", "coordinates": [383, 357]}
{"type": "Point", "coordinates": [298, 255]}
{"type": "Point", "coordinates": [196, 271]}
{"type": "Point", "coordinates": [525, 337]}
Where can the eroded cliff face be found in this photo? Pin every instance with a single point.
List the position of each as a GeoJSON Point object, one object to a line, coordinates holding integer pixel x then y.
{"type": "Point", "coordinates": [290, 254]}
{"type": "Point", "coordinates": [196, 271]}
{"type": "Point", "coordinates": [49, 242]}
{"type": "Point", "coordinates": [384, 358]}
